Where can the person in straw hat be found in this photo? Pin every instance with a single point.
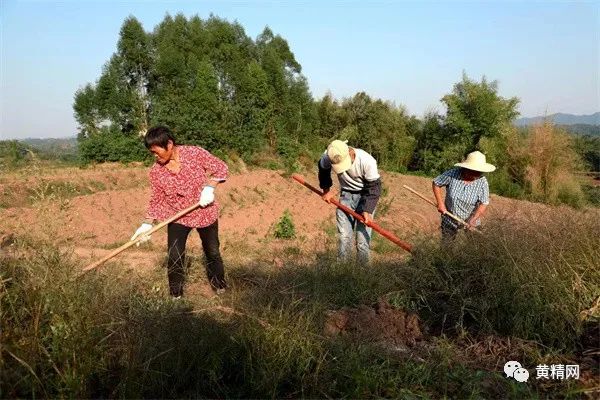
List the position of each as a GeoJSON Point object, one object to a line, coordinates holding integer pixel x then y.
{"type": "Point", "coordinates": [360, 186]}
{"type": "Point", "coordinates": [467, 193]}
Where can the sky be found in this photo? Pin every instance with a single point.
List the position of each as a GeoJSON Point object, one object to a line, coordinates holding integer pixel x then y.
{"type": "Point", "coordinates": [546, 53]}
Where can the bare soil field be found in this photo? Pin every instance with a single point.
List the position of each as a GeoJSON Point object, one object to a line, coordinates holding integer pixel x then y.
{"type": "Point", "coordinates": [94, 210]}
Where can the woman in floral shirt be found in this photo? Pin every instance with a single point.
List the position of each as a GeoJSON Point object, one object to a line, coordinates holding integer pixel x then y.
{"type": "Point", "coordinates": [181, 177]}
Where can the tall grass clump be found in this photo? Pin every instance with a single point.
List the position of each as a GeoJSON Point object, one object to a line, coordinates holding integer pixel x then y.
{"type": "Point", "coordinates": [55, 330]}
{"type": "Point", "coordinates": [13, 154]}
{"type": "Point", "coordinates": [553, 162]}
{"type": "Point", "coordinates": [287, 354]}
{"type": "Point", "coordinates": [538, 163]}
{"type": "Point", "coordinates": [529, 279]}
{"type": "Point", "coordinates": [100, 335]}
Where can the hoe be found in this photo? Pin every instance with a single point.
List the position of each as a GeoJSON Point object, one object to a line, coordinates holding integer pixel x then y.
{"type": "Point", "coordinates": [386, 234]}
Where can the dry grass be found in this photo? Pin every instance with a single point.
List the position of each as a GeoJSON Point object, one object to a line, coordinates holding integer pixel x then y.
{"type": "Point", "coordinates": [551, 173]}
{"type": "Point", "coordinates": [530, 279]}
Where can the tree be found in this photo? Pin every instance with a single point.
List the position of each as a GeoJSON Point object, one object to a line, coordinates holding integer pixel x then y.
{"type": "Point", "coordinates": [133, 50]}
{"type": "Point", "coordinates": [379, 128]}
{"type": "Point", "coordinates": [207, 80]}
{"type": "Point", "coordinates": [588, 147]}
{"type": "Point", "coordinates": [290, 92]}
{"type": "Point", "coordinates": [475, 110]}
{"type": "Point", "coordinates": [254, 108]}
{"type": "Point", "coordinates": [330, 117]}
{"type": "Point", "coordinates": [86, 111]}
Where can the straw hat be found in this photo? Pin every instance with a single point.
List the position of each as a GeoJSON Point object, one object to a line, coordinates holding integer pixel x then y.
{"type": "Point", "coordinates": [475, 161]}
{"type": "Point", "coordinates": [339, 155]}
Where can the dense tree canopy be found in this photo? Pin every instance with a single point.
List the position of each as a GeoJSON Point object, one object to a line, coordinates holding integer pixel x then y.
{"type": "Point", "coordinates": [474, 111]}
{"type": "Point", "coordinates": [207, 80]}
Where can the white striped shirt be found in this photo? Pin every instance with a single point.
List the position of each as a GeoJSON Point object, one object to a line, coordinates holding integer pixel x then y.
{"type": "Point", "coordinates": [363, 168]}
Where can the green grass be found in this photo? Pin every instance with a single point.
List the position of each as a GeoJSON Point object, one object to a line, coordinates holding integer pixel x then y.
{"type": "Point", "coordinates": [100, 337]}
{"type": "Point", "coordinates": [285, 227]}
{"type": "Point", "coordinates": [381, 245]}
{"type": "Point", "coordinates": [106, 335]}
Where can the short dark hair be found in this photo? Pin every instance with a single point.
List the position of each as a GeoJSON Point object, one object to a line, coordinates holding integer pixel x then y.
{"type": "Point", "coordinates": [158, 136]}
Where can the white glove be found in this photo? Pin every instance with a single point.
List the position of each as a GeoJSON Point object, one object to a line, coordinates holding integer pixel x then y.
{"type": "Point", "coordinates": [145, 227]}
{"type": "Point", "coordinates": [207, 196]}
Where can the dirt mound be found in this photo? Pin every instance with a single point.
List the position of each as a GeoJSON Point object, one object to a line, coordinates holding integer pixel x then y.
{"type": "Point", "coordinates": [381, 323]}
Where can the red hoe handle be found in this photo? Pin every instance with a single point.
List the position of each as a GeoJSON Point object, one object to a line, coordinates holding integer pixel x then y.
{"type": "Point", "coordinates": [385, 233]}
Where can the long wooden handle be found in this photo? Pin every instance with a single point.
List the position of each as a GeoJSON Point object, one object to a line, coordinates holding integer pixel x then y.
{"type": "Point", "coordinates": [385, 233]}
{"type": "Point", "coordinates": [448, 213]}
{"type": "Point", "coordinates": [134, 241]}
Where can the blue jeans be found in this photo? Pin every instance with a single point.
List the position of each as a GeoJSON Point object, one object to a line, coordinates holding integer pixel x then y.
{"type": "Point", "coordinates": [346, 226]}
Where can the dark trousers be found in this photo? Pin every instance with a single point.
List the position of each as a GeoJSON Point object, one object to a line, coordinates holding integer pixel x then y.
{"type": "Point", "coordinates": [448, 233]}
{"type": "Point", "coordinates": [177, 235]}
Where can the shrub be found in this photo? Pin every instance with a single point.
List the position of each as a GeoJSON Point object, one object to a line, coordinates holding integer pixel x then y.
{"type": "Point", "coordinates": [537, 163]}
{"type": "Point", "coordinates": [509, 154]}
{"type": "Point", "coordinates": [112, 146]}
{"type": "Point", "coordinates": [285, 228]}
{"type": "Point", "coordinates": [592, 194]}
{"type": "Point", "coordinates": [438, 162]}
{"type": "Point", "coordinates": [503, 184]}
{"type": "Point", "coordinates": [12, 153]}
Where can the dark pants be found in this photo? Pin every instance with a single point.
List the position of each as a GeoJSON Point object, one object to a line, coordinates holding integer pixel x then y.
{"type": "Point", "coordinates": [177, 235]}
{"type": "Point", "coordinates": [448, 233]}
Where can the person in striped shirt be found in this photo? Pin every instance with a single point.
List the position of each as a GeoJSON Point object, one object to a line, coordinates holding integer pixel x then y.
{"type": "Point", "coordinates": [360, 186]}
{"type": "Point", "coordinates": [467, 193]}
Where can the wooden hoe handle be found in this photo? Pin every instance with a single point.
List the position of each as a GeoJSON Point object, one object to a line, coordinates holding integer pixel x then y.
{"type": "Point", "coordinates": [448, 213]}
{"type": "Point", "coordinates": [134, 241]}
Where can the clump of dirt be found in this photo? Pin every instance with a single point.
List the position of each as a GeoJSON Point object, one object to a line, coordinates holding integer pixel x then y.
{"type": "Point", "coordinates": [6, 239]}
{"type": "Point", "coordinates": [381, 323]}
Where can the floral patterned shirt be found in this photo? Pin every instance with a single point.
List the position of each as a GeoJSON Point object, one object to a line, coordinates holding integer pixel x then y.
{"type": "Point", "coordinates": [175, 191]}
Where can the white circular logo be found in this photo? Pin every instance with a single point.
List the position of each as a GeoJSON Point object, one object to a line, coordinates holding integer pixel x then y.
{"type": "Point", "coordinates": [521, 375]}
{"type": "Point", "coordinates": [510, 367]}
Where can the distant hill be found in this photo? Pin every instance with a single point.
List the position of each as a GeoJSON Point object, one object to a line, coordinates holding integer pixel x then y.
{"type": "Point", "coordinates": [52, 144]}
{"type": "Point", "coordinates": [60, 148]}
{"type": "Point", "coordinates": [562, 119]}
{"type": "Point", "coordinates": [582, 129]}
